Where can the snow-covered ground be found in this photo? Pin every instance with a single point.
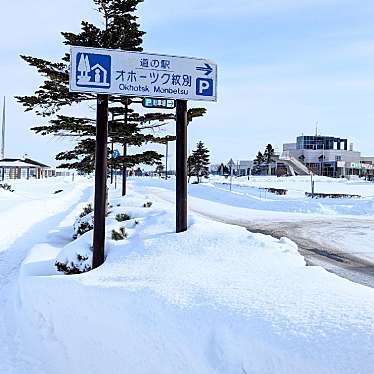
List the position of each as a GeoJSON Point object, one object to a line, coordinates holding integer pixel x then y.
{"type": "Point", "coordinates": [29, 215]}
{"type": "Point", "coordinates": [347, 223]}
{"type": "Point", "coordinates": [297, 186]}
{"type": "Point", "coordinates": [251, 195]}
{"type": "Point", "coordinates": [215, 299]}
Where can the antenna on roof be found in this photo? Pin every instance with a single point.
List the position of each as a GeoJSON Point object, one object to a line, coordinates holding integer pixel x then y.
{"type": "Point", "coordinates": [3, 134]}
{"type": "Point", "coordinates": [316, 128]}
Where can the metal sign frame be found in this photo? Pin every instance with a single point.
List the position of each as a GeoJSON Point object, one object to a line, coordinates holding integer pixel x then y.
{"type": "Point", "coordinates": [97, 61]}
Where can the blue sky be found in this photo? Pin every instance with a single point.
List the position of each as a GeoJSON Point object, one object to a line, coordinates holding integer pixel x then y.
{"type": "Point", "coordinates": [283, 65]}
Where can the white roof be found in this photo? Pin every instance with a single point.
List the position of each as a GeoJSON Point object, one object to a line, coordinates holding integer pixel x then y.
{"type": "Point", "coordinates": [16, 164]}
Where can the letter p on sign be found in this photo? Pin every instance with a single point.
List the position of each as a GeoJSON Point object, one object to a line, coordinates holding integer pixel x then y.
{"type": "Point", "coordinates": [204, 87]}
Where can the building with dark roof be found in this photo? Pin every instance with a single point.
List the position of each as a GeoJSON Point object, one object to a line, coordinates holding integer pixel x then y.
{"type": "Point", "coordinates": [20, 168]}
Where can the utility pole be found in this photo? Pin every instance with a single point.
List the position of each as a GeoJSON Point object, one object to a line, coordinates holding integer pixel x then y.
{"type": "Point", "coordinates": [181, 166]}
{"type": "Point", "coordinates": [100, 180]}
{"type": "Point", "coordinates": [3, 133]}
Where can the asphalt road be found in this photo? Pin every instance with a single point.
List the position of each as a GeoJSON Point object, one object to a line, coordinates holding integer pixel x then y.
{"type": "Point", "coordinates": [319, 248]}
{"type": "Point", "coordinates": [334, 243]}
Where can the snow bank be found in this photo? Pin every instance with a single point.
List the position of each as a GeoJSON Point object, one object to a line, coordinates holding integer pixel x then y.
{"type": "Point", "coordinates": [32, 215]}
{"type": "Point", "coordinates": [250, 194]}
{"type": "Point", "coordinates": [215, 299]}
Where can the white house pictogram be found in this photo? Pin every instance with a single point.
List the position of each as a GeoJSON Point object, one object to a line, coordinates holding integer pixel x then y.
{"type": "Point", "coordinates": [96, 75]}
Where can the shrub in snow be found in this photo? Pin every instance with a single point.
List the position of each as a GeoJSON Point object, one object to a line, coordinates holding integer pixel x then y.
{"type": "Point", "coordinates": [74, 259]}
{"type": "Point", "coordinates": [71, 267]}
{"type": "Point", "coordinates": [119, 235]}
{"type": "Point", "coordinates": [82, 228]}
{"type": "Point", "coordinates": [122, 217]}
{"type": "Point", "coordinates": [6, 187]}
{"type": "Point", "coordinates": [86, 210]}
{"type": "Point", "coordinates": [148, 204]}
{"type": "Point", "coordinates": [84, 222]}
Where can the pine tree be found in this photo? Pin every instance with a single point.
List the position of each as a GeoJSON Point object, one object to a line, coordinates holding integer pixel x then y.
{"type": "Point", "coordinates": [160, 169]}
{"type": "Point", "coordinates": [200, 161]}
{"type": "Point", "coordinates": [260, 159]}
{"type": "Point", "coordinates": [221, 169]}
{"type": "Point", "coordinates": [190, 166]}
{"type": "Point", "coordinates": [268, 155]}
{"type": "Point", "coordinates": [120, 31]}
{"type": "Point", "coordinates": [126, 127]}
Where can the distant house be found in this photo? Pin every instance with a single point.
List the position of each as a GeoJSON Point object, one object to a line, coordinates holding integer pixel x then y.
{"type": "Point", "coordinates": [23, 168]}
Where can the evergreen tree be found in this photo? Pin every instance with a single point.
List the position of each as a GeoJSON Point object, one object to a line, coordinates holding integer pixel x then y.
{"type": "Point", "coordinates": [190, 167]}
{"type": "Point", "coordinates": [221, 169]}
{"type": "Point", "coordinates": [199, 161]}
{"type": "Point", "coordinates": [260, 159]}
{"type": "Point", "coordinates": [126, 127]}
{"type": "Point", "coordinates": [120, 31]}
{"type": "Point", "coordinates": [160, 169]}
{"type": "Point", "coordinates": [268, 155]}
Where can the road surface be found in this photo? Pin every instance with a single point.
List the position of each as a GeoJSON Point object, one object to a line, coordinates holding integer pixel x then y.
{"type": "Point", "coordinates": [320, 249]}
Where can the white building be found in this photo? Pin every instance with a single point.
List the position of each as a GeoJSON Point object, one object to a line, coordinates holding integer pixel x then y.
{"type": "Point", "coordinates": [12, 168]}
{"type": "Point", "coordinates": [327, 155]}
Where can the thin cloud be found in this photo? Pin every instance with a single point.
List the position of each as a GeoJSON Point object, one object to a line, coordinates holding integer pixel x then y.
{"type": "Point", "coordinates": [197, 9]}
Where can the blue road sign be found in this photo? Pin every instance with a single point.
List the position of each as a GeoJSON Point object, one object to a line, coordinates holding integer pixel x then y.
{"type": "Point", "coordinates": [123, 73]}
{"type": "Point", "coordinates": [204, 87]}
{"type": "Point", "coordinates": [93, 70]}
{"type": "Point", "coordinates": [149, 102]}
{"type": "Point", "coordinates": [115, 153]}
